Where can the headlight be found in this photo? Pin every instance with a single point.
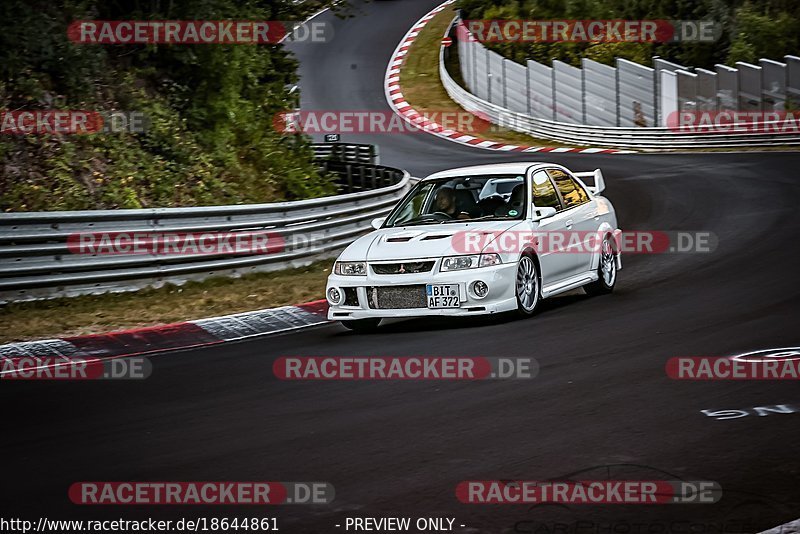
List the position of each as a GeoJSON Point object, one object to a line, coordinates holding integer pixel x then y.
{"type": "Point", "coordinates": [350, 268]}
{"type": "Point", "coordinates": [458, 263]}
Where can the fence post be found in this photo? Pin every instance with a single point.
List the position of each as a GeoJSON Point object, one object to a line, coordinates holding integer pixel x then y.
{"type": "Point", "coordinates": [505, 83]}
{"type": "Point", "coordinates": [793, 80]}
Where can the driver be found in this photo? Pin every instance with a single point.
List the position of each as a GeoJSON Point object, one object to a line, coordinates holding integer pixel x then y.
{"type": "Point", "coordinates": [446, 203]}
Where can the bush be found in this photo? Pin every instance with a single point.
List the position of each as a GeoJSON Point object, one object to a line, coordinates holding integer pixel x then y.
{"type": "Point", "coordinates": [750, 29]}
{"type": "Point", "coordinates": [210, 109]}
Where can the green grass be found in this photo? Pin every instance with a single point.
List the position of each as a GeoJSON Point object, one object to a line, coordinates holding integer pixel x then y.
{"type": "Point", "coordinates": [423, 89]}
{"type": "Point", "coordinates": [169, 304]}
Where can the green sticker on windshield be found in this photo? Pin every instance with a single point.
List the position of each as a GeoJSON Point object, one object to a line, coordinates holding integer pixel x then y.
{"type": "Point", "coordinates": [513, 212]}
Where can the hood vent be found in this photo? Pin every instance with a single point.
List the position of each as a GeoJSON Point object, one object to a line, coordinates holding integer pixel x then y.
{"type": "Point", "coordinates": [427, 237]}
{"type": "Point", "coordinates": [398, 239]}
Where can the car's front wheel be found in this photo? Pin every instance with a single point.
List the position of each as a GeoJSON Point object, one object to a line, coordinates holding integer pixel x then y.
{"type": "Point", "coordinates": [606, 270]}
{"type": "Point", "coordinates": [362, 325]}
{"type": "Point", "coordinates": [527, 286]}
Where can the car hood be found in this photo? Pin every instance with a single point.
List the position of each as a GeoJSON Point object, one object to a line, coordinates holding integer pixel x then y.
{"type": "Point", "coordinates": [411, 242]}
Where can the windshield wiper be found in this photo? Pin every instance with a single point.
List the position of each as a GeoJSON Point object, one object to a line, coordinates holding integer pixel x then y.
{"type": "Point", "coordinates": [412, 222]}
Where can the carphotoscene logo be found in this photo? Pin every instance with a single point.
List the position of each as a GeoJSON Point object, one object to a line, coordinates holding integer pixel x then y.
{"type": "Point", "coordinates": [596, 31]}
{"type": "Point", "coordinates": [201, 493]}
{"type": "Point", "coordinates": [59, 368]}
{"type": "Point", "coordinates": [194, 32]}
{"type": "Point", "coordinates": [71, 122]}
{"type": "Point", "coordinates": [734, 122]}
{"type": "Point", "coordinates": [583, 242]}
{"type": "Point", "coordinates": [589, 492]}
{"type": "Point", "coordinates": [378, 122]}
{"type": "Point", "coordinates": [403, 368]}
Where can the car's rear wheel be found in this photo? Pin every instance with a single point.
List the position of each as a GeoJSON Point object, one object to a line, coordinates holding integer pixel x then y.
{"type": "Point", "coordinates": [362, 325]}
{"type": "Point", "coordinates": [527, 286]}
{"type": "Point", "coordinates": [606, 270]}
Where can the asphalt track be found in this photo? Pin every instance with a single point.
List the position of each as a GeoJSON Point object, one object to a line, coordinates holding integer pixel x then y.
{"type": "Point", "coordinates": [601, 404]}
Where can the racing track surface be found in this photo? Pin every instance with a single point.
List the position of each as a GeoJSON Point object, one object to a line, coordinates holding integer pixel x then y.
{"type": "Point", "coordinates": [395, 449]}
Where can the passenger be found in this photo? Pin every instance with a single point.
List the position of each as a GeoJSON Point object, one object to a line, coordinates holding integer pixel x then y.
{"type": "Point", "coordinates": [516, 203]}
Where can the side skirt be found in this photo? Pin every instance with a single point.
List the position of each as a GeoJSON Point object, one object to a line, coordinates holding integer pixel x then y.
{"type": "Point", "coordinates": [569, 284]}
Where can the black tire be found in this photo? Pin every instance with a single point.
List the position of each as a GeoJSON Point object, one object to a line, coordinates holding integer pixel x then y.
{"type": "Point", "coordinates": [527, 286]}
{"type": "Point", "coordinates": [362, 325]}
{"type": "Point", "coordinates": [606, 270]}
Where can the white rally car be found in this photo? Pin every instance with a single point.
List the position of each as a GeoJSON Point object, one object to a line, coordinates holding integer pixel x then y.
{"type": "Point", "coordinates": [479, 240]}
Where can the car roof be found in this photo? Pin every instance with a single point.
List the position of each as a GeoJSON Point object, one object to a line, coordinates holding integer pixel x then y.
{"type": "Point", "coordinates": [503, 181]}
{"type": "Point", "coordinates": [493, 168]}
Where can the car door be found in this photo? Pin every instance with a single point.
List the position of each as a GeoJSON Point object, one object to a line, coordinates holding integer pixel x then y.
{"type": "Point", "coordinates": [553, 262]}
{"type": "Point", "coordinates": [579, 212]}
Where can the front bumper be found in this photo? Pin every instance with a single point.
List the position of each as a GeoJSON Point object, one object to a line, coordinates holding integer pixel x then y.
{"type": "Point", "coordinates": [500, 298]}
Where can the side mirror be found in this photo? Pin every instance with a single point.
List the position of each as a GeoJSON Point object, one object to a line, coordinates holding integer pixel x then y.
{"type": "Point", "coordinates": [542, 213]}
{"type": "Point", "coordinates": [377, 223]}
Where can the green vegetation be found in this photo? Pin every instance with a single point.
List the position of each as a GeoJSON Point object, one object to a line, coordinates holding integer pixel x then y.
{"type": "Point", "coordinates": [91, 314]}
{"type": "Point", "coordinates": [210, 108]}
{"type": "Point", "coordinates": [751, 29]}
{"type": "Point", "coordinates": [423, 89]}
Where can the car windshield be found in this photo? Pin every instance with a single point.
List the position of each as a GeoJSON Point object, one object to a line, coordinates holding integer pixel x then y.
{"type": "Point", "coordinates": [461, 199]}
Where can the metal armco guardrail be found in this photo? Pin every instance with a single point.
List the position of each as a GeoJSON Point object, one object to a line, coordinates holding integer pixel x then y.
{"type": "Point", "coordinates": [38, 256]}
{"type": "Point", "coordinates": [616, 107]}
{"type": "Point", "coordinates": [350, 152]}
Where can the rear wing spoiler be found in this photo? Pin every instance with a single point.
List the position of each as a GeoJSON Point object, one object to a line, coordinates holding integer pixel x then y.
{"type": "Point", "coordinates": [597, 176]}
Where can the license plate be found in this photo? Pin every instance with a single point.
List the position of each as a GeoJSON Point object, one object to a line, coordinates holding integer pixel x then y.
{"type": "Point", "coordinates": [442, 296]}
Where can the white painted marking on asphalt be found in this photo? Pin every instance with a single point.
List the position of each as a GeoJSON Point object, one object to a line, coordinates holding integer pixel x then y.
{"type": "Point", "coordinates": [791, 527]}
{"type": "Point", "coordinates": [760, 411]}
{"type": "Point", "coordinates": [785, 353]}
